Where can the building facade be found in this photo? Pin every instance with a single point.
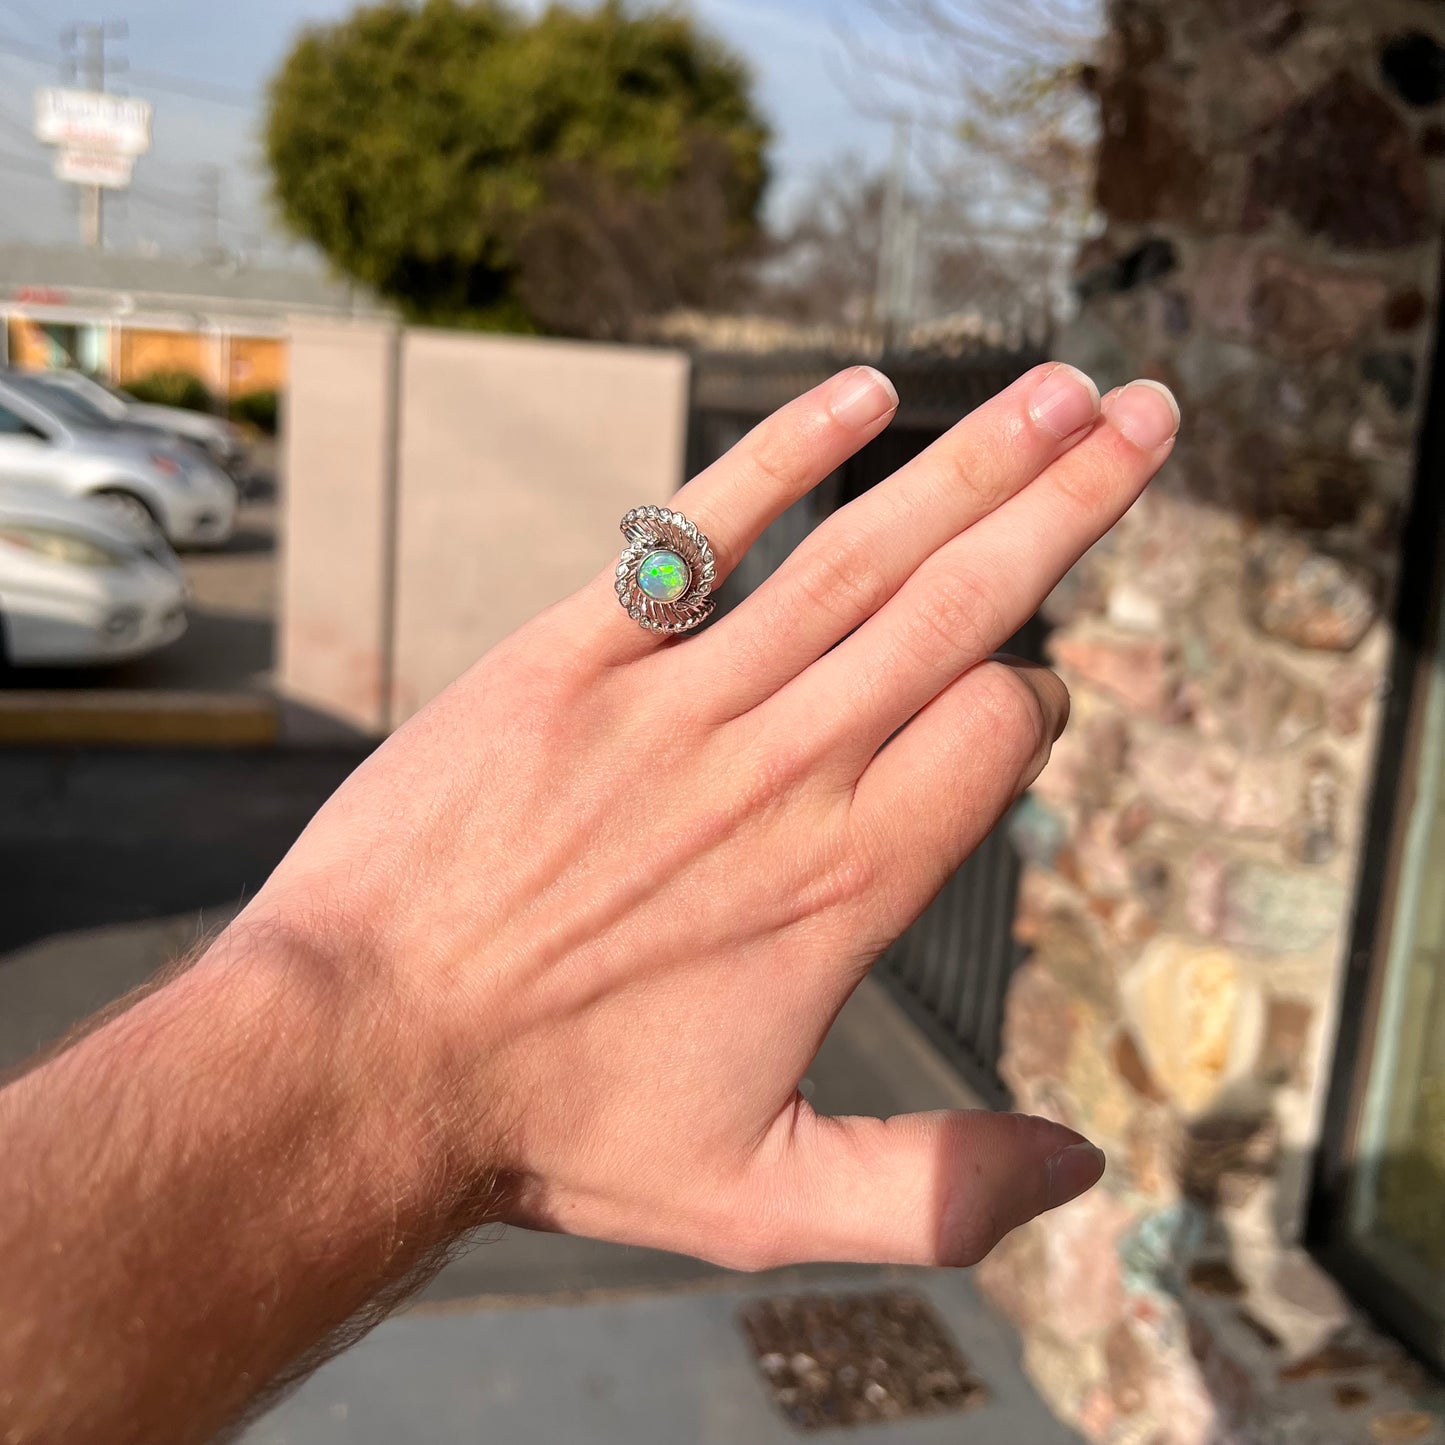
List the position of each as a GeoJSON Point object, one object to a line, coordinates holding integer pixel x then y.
{"type": "Point", "coordinates": [128, 317]}
{"type": "Point", "coordinates": [1234, 898]}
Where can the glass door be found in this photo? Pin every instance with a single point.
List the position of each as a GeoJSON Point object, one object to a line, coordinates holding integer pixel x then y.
{"type": "Point", "coordinates": [1377, 1215]}
{"type": "Point", "coordinates": [1395, 1206]}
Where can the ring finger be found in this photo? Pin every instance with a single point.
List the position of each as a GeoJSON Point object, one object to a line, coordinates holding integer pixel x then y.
{"type": "Point", "coordinates": [779, 461]}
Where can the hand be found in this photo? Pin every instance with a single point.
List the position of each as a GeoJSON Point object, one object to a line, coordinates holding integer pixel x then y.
{"type": "Point", "coordinates": [614, 891]}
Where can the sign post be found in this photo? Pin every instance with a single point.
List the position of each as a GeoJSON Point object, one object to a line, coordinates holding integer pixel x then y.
{"type": "Point", "coordinates": [98, 137]}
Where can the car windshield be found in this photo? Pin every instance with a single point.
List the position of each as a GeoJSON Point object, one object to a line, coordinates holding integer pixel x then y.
{"type": "Point", "coordinates": [103, 398]}
{"type": "Point", "coordinates": [61, 402]}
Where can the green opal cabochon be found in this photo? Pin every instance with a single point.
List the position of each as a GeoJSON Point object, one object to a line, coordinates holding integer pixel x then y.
{"type": "Point", "coordinates": [664, 576]}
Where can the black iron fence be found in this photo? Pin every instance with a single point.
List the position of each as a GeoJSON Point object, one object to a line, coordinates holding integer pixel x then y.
{"type": "Point", "coordinates": [951, 969]}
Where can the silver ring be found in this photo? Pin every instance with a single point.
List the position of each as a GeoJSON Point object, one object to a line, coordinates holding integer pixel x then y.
{"type": "Point", "coordinates": [665, 575]}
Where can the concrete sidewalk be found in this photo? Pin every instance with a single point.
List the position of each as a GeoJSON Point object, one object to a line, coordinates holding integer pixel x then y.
{"type": "Point", "coordinates": [662, 1369]}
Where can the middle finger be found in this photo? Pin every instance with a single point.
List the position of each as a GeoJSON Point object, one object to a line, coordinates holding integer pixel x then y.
{"type": "Point", "coordinates": [851, 565]}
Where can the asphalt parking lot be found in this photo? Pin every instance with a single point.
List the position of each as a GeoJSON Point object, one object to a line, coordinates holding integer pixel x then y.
{"type": "Point", "coordinates": [229, 646]}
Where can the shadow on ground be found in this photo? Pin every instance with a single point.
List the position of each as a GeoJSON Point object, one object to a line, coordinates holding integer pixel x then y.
{"type": "Point", "coordinates": [94, 839]}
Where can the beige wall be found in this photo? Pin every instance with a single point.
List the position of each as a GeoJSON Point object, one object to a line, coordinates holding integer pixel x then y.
{"type": "Point", "coordinates": [518, 458]}
{"type": "Point", "coordinates": [514, 460]}
{"type": "Point", "coordinates": [334, 632]}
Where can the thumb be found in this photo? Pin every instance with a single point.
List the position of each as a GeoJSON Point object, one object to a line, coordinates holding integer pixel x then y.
{"type": "Point", "coordinates": [933, 1189]}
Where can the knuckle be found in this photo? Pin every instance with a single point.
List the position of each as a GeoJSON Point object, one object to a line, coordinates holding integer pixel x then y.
{"type": "Point", "coordinates": [1086, 485]}
{"type": "Point", "coordinates": [769, 774]}
{"type": "Point", "coordinates": [973, 471]}
{"type": "Point", "coordinates": [840, 577]}
{"type": "Point", "coordinates": [959, 615]}
{"type": "Point", "coordinates": [778, 451]}
{"type": "Point", "coordinates": [759, 454]}
{"type": "Point", "coordinates": [850, 877]}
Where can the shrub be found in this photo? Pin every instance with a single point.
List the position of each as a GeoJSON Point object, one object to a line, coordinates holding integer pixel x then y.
{"type": "Point", "coordinates": [172, 388]}
{"type": "Point", "coordinates": [260, 409]}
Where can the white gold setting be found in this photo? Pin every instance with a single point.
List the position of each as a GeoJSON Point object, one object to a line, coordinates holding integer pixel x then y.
{"type": "Point", "coordinates": [651, 530]}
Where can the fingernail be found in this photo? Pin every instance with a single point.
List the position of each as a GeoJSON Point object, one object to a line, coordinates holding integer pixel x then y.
{"type": "Point", "coordinates": [861, 396]}
{"type": "Point", "coordinates": [1066, 401]}
{"type": "Point", "coordinates": [1146, 412]}
{"type": "Point", "coordinates": [1072, 1171]}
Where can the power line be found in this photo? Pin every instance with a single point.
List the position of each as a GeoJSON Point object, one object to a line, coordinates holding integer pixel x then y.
{"type": "Point", "coordinates": [23, 50]}
{"type": "Point", "coordinates": [14, 124]}
{"type": "Point", "coordinates": [211, 91]}
{"type": "Point", "coordinates": [207, 90]}
{"type": "Point", "coordinates": [24, 167]}
{"type": "Point", "coordinates": [23, 11]}
{"type": "Point", "coordinates": [83, 56]}
{"type": "Point", "coordinates": [161, 201]}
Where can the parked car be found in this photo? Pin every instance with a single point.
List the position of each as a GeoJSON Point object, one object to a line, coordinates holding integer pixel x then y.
{"type": "Point", "coordinates": [222, 442]}
{"type": "Point", "coordinates": [49, 439]}
{"type": "Point", "coordinates": [80, 585]}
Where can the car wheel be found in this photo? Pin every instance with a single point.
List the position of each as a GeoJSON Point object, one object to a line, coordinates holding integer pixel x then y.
{"type": "Point", "coordinates": [131, 507]}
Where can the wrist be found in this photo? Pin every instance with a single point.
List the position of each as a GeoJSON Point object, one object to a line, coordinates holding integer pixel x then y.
{"type": "Point", "coordinates": [372, 1057]}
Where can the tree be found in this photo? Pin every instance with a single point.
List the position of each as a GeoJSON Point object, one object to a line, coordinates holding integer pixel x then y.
{"type": "Point", "coordinates": [823, 268]}
{"type": "Point", "coordinates": [997, 91]}
{"type": "Point", "coordinates": [572, 173]}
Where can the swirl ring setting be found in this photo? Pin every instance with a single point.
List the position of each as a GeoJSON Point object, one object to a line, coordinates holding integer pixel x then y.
{"type": "Point", "coordinates": [666, 573]}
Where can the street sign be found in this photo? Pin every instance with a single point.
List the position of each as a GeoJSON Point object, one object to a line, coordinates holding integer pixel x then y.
{"type": "Point", "coordinates": [93, 168]}
{"type": "Point", "coordinates": [88, 120]}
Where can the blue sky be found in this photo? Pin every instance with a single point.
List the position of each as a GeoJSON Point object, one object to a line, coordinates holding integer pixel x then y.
{"type": "Point", "coordinates": [792, 44]}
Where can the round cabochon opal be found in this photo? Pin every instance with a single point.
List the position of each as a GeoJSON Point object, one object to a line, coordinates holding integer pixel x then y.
{"type": "Point", "coordinates": [664, 576]}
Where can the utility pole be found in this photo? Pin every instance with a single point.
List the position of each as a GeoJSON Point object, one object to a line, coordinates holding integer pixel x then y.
{"type": "Point", "coordinates": [897, 249]}
{"type": "Point", "coordinates": [85, 45]}
{"type": "Point", "coordinates": [208, 212]}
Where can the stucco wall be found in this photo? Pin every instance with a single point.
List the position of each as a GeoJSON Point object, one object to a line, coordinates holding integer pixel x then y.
{"type": "Point", "coordinates": [442, 488]}
{"type": "Point", "coordinates": [335, 537]}
{"type": "Point", "coordinates": [517, 459]}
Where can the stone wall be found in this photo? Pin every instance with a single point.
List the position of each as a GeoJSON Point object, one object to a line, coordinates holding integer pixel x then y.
{"type": "Point", "coordinates": [1271, 177]}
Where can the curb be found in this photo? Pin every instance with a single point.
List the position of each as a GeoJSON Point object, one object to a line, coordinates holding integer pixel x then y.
{"type": "Point", "coordinates": [139, 719]}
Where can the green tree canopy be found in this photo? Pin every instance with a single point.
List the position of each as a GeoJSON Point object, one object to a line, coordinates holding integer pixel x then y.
{"type": "Point", "coordinates": [566, 173]}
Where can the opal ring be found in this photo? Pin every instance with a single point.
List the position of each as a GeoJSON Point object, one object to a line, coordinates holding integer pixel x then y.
{"type": "Point", "coordinates": [665, 575]}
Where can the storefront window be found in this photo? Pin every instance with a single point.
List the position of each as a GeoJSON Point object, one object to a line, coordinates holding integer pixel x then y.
{"type": "Point", "coordinates": [1395, 1214]}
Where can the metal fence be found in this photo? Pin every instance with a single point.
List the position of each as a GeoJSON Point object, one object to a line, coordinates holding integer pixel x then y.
{"type": "Point", "coordinates": [951, 969]}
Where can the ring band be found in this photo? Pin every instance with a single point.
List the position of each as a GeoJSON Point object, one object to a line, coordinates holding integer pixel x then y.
{"type": "Point", "coordinates": [666, 573]}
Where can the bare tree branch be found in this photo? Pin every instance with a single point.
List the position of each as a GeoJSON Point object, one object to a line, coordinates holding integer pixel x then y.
{"type": "Point", "coordinates": [1001, 79]}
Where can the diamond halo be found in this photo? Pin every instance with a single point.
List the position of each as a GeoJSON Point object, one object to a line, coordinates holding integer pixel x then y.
{"type": "Point", "coordinates": [650, 530]}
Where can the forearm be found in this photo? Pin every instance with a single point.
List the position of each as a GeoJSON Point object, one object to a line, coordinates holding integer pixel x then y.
{"type": "Point", "coordinates": [243, 1160]}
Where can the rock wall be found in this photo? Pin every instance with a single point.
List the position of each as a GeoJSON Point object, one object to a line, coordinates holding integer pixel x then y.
{"type": "Point", "coordinates": [1271, 175]}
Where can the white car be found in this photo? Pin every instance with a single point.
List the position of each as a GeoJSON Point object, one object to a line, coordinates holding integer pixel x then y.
{"type": "Point", "coordinates": [46, 440]}
{"type": "Point", "coordinates": [222, 442]}
{"type": "Point", "coordinates": [79, 585]}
